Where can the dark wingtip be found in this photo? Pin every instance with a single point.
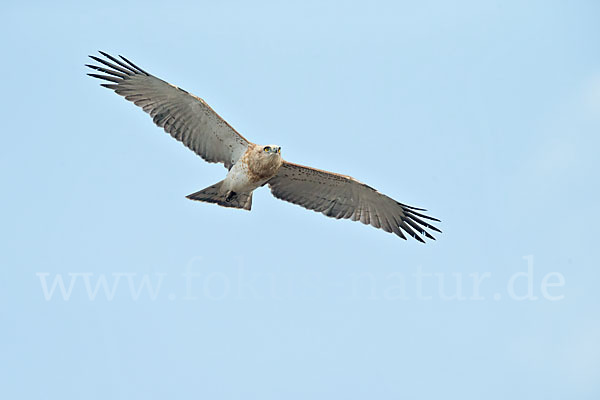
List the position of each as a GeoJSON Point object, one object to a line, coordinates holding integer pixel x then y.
{"type": "Point", "coordinates": [133, 65]}
{"type": "Point", "coordinates": [411, 207]}
{"type": "Point", "coordinates": [105, 77]}
{"type": "Point", "coordinates": [400, 235]}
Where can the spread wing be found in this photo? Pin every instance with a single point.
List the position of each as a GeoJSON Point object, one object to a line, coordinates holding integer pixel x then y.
{"type": "Point", "coordinates": [186, 117]}
{"type": "Point", "coordinates": [341, 196]}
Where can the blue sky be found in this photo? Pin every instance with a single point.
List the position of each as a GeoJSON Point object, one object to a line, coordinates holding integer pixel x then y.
{"type": "Point", "coordinates": [485, 113]}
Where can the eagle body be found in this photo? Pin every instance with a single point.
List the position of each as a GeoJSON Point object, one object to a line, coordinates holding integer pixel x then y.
{"type": "Point", "coordinates": [193, 122]}
{"type": "Point", "coordinates": [256, 166]}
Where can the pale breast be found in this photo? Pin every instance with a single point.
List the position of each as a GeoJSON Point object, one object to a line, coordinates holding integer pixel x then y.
{"type": "Point", "coordinates": [238, 178]}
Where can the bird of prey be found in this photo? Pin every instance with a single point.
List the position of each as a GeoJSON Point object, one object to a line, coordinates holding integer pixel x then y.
{"type": "Point", "coordinates": [191, 121]}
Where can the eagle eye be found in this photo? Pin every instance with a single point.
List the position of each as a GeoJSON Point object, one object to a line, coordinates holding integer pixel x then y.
{"type": "Point", "coordinates": [267, 149]}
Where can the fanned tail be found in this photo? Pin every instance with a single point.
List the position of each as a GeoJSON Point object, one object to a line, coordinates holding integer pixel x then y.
{"type": "Point", "coordinates": [215, 194]}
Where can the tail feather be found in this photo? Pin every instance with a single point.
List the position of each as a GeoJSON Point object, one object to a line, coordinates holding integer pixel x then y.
{"type": "Point", "coordinates": [214, 194]}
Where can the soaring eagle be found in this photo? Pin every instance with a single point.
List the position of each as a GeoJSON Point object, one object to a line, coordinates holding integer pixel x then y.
{"type": "Point", "coordinates": [191, 121]}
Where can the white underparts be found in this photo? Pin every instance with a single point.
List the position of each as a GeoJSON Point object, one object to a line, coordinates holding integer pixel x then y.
{"type": "Point", "coordinates": [238, 179]}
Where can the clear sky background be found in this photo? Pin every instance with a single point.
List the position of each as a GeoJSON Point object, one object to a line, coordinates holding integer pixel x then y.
{"type": "Point", "coordinates": [486, 113]}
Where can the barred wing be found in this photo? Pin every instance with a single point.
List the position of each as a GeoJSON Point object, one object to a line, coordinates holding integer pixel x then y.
{"type": "Point", "coordinates": [186, 117]}
{"type": "Point", "coordinates": [341, 196]}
